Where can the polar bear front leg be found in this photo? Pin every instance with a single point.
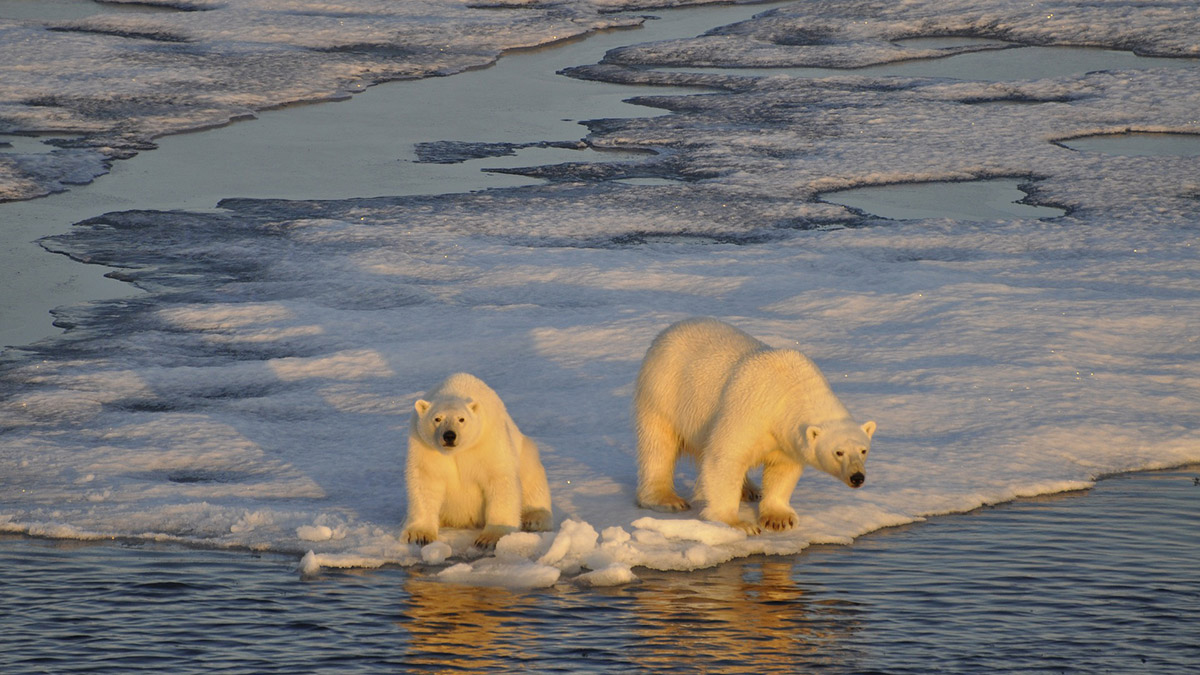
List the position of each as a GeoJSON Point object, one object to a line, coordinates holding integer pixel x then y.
{"type": "Point", "coordinates": [721, 480]}
{"type": "Point", "coordinates": [501, 511]}
{"type": "Point", "coordinates": [779, 480]}
{"type": "Point", "coordinates": [425, 495]}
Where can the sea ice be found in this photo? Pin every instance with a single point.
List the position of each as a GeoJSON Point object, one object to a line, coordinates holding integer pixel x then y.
{"type": "Point", "coordinates": [258, 393]}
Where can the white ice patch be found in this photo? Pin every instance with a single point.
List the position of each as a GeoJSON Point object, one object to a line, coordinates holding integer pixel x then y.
{"type": "Point", "coordinates": [712, 534]}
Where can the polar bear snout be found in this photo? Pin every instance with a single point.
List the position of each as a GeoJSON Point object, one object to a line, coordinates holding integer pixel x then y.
{"type": "Point", "coordinates": [857, 479]}
{"type": "Point", "coordinates": [448, 438]}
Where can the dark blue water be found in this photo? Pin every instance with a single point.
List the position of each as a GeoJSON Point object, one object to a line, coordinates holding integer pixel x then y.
{"type": "Point", "coordinates": [1099, 582]}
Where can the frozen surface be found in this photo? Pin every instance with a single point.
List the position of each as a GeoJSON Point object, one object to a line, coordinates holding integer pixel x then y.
{"type": "Point", "coordinates": [257, 396]}
{"type": "Point", "coordinates": [114, 81]}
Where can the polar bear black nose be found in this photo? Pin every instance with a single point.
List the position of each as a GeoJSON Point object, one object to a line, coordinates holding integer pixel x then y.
{"type": "Point", "coordinates": [449, 437]}
{"type": "Point", "coordinates": [857, 479]}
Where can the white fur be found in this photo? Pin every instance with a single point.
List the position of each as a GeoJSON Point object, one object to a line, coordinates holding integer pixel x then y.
{"type": "Point", "coordinates": [712, 391]}
{"type": "Point", "coordinates": [490, 476]}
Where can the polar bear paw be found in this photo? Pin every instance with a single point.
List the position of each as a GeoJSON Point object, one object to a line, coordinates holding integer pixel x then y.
{"type": "Point", "coordinates": [492, 534]}
{"type": "Point", "coordinates": [751, 492]}
{"type": "Point", "coordinates": [536, 520]}
{"type": "Point", "coordinates": [665, 502]}
{"type": "Point", "coordinates": [746, 526]}
{"type": "Point", "coordinates": [418, 536]}
{"type": "Point", "coordinates": [779, 521]}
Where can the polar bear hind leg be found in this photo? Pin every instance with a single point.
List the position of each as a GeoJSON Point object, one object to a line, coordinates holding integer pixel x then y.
{"type": "Point", "coordinates": [750, 492]}
{"type": "Point", "coordinates": [536, 515]}
{"type": "Point", "coordinates": [658, 448]}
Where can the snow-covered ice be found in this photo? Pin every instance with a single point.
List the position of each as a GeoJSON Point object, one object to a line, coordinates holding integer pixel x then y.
{"type": "Point", "coordinates": [258, 395]}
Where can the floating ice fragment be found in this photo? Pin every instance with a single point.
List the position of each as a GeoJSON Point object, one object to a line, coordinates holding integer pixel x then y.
{"type": "Point", "coordinates": [612, 575]}
{"type": "Point", "coordinates": [314, 533]}
{"type": "Point", "coordinates": [309, 566]}
{"type": "Point", "coordinates": [574, 538]}
{"type": "Point", "coordinates": [436, 552]}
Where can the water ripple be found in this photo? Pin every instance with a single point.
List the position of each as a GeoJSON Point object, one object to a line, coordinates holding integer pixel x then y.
{"type": "Point", "coordinates": [1099, 583]}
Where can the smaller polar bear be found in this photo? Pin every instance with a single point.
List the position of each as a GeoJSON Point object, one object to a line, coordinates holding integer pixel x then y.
{"type": "Point", "coordinates": [469, 466]}
{"type": "Point", "coordinates": [710, 390]}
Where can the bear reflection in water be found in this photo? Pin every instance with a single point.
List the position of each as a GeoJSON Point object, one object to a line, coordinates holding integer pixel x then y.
{"type": "Point", "coordinates": [746, 616]}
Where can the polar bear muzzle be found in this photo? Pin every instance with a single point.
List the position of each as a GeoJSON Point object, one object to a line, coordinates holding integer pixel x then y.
{"type": "Point", "coordinates": [857, 479]}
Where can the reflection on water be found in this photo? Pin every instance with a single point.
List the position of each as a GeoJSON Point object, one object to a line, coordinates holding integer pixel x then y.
{"type": "Point", "coordinates": [1138, 144]}
{"type": "Point", "coordinates": [979, 200]}
{"type": "Point", "coordinates": [452, 627]}
{"type": "Point", "coordinates": [752, 616]}
{"type": "Point", "coordinates": [68, 10]}
{"type": "Point", "coordinates": [1104, 581]}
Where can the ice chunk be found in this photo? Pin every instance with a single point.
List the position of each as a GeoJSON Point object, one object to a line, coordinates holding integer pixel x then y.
{"type": "Point", "coordinates": [614, 574]}
{"type": "Point", "coordinates": [435, 553]}
{"type": "Point", "coordinates": [309, 566]}
{"type": "Point", "coordinates": [713, 534]}
{"type": "Point", "coordinates": [574, 539]}
{"type": "Point", "coordinates": [519, 545]}
{"type": "Point", "coordinates": [314, 532]}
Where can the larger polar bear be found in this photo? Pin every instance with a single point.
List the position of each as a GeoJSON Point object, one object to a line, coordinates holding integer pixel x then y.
{"type": "Point", "coordinates": [470, 466]}
{"type": "Point", "coordinates": [710, 390]}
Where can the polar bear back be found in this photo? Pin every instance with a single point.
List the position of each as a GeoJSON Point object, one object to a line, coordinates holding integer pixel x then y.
{"type": "Point", "coordinates": [694, 363]}
{"type": "Point", "coordinates": [685, 370]}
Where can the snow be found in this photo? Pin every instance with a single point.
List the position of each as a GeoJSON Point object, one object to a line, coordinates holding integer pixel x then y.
{"type": "Point", "coordinates": [257, 396]}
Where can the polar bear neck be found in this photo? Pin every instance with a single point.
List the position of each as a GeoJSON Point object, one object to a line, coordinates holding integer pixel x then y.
{"type": "Point", "coordinates": [801, 389]}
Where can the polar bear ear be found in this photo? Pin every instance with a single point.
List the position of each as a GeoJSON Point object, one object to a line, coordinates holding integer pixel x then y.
{"type": "Point", "coordinates": [473, 406]}
{"type": "Point", "coordinates": [811, 434]}
{"type": "Point", "coordinates": [869, 428]}
{"type": "Point", "coordinates": [421, 406]}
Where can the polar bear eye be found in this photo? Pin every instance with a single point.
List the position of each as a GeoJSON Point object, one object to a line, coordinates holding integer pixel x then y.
{"type": "Point", "coordinates": [839, 453]}
{"type": "Point", "coordinates": [437, 420]}
{"type": "Point", "coordinates": [462, 420]}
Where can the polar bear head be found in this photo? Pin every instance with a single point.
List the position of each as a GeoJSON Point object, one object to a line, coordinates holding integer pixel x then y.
{"type": "Point", "coordinates": [840, 449]}
{"type": "Point", "coordinates": [448, 424]}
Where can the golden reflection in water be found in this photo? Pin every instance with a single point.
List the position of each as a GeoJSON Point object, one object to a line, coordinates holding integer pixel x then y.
{"type": "Point", "coordinates": [747, 616]}
{"type": "Point", "coordinates": [744, 617]}
{"type": "Point", "coordinates": [463, 628]}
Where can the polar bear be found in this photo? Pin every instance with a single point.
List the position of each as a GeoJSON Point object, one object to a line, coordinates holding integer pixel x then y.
{"type": "Point", "coordinates": [710, 390]}
{"type": "Point", "coordinates": [470, 466]}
